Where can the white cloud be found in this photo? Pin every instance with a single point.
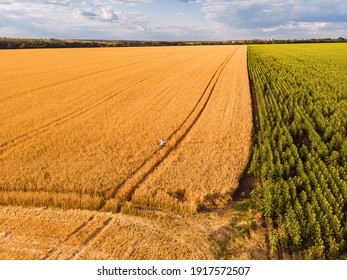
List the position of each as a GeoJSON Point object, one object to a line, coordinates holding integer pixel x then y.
{"type": "Point", "coordinates": [108, 15]}
{"type": "Point", "coordinates": [145, 19]}
{"type": "Point", "coordinates": [131, 2]}
{"type": "Point", "coordinates": [100, 19]}
{"type": "Point", "coordinates": [311, 26]}
{"type": "Point", "coordinates": [140, 28]}
{"type": "Point", "coordinates": [260, 17]}
{"type": "Point", "coordinates": [264, 13]}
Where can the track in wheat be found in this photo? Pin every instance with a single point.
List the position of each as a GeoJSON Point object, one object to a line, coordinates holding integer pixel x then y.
{"type": "Point", "coordinates": [88, 138]}
{"type": "Point", "coordinates": [129, 186]}
{"type": "Point", "coordinates": [204, 171]}
{"type": "Point", "coordinates": [80, 129]}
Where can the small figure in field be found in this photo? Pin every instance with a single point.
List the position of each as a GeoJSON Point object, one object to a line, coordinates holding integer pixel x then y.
{"type": "Point", "coordinates": [162, 143]}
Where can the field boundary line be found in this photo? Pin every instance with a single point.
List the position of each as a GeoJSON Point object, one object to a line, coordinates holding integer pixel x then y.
{"type": "Point", "coordinates": [254, 101]}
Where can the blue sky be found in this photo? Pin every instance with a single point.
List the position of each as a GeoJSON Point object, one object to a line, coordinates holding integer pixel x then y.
{"type": "Point", "coordinates": [173, 19]}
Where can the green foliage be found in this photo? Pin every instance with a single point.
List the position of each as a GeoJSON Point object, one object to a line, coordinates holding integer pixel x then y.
{"type": "Point", "coordinates": [23, 43]}
{"type": "Point", "coordinates": [243, 206]}
{"type": "Point", "coordinates": [274, 241]}
{"type": "Point", "coordinates": [300, 152]}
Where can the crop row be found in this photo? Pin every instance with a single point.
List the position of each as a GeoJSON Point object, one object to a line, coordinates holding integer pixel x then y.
{"type": "Point", "coordinates": [300, 153]}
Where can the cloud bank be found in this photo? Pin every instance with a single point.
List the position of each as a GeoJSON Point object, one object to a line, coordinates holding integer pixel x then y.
{"type": "Point", "coordinates": [173, 19]}
{"type": "Point", "coordinates": [288, 17]}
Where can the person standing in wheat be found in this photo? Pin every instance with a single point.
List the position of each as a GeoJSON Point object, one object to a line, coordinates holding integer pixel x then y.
{"type": "Point", "coordinates": [162, 143]}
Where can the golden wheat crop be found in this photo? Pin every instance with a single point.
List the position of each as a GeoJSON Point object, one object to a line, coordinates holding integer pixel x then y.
{"type": "Point", "coordinates": [81, 127]}
{"type": "Point", "coordinates": [37, 233]}
{"type": "Point", "coordinates": [34, 233]}
{"type": "Point", "coordinates": [205, 169]}
{"type": "Point", "coordinates": [40, 234]}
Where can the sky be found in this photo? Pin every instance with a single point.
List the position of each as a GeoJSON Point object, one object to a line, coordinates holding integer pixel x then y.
{"type": "Point", "coordinates": [173, 19]}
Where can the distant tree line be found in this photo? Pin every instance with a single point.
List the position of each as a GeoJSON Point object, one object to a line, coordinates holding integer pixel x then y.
{"type": "Point", "coordinates": [297, 41]}
{"type": "Point", "coordinates": [22, 43]}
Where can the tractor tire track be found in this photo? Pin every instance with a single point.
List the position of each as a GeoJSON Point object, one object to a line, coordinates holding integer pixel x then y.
{"type": "Point", "coordinates": [72, 115]}
{"type": "Point", "coordinates": [155, 153]}
{"type": "Point", "coordinates": [126, 189]}
{"type": "Point", "coordinates": [94, 235]}
{"type": "Point", "coordinates": [52, 251]}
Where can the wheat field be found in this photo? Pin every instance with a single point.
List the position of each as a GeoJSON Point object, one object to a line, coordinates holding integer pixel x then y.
{"type": "Point", "coordinates": [53, 234]}
{"type": "Point", "coordinates": [80, 129]}
{"type": "Point", "coordinates": [205, 169]}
